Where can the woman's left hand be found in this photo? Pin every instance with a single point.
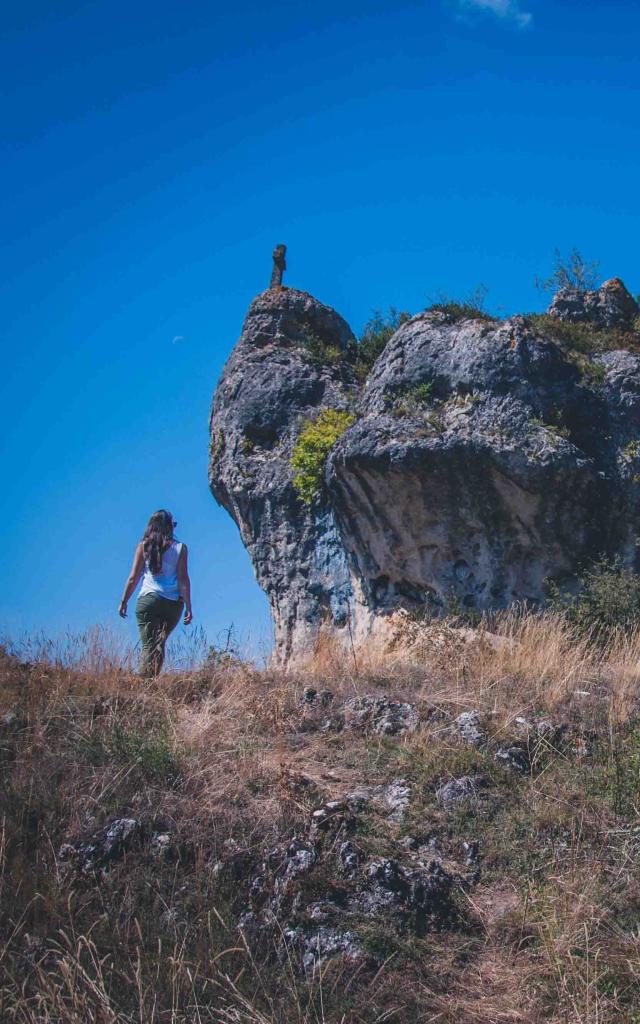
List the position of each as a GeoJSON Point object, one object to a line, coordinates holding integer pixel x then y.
{"type": "Point", "coordinates": [122, 610]}
{"type": "Point", "coordinates": [187, 617]}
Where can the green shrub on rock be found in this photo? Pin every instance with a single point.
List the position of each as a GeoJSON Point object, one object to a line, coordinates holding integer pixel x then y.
{"type": "Point", "coordinates": [471, 307]}
{"type": "Point", "coordinates": [375, 334]}
{"type": "Point", "coordinates": [321, 351]}
{"type": "Point", "coordinates": [585, 338]}
{"type": "Point", "coordinates": [312, 448]}
{"type": "Point", "coordinates": [609, 599]}
{"type": "Point", "coordinates": [572, 271]}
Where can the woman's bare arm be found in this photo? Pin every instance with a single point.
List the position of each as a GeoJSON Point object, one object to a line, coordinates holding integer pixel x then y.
{"type": "Point", "coordinates": [184, 584]}
{"type": "Point", "coordinates": [132, 581]}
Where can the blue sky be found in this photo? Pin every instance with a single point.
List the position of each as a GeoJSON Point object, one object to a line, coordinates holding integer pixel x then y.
{"type": "Point", "coordinates": [152, 156]}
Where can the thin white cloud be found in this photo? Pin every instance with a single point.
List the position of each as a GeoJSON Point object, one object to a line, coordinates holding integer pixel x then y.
{"type": "Point", "coordinates": [176, 338]}
{"type": "Point", "coordinates": [506, 10]}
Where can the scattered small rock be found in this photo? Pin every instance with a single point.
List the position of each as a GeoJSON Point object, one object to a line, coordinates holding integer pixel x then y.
{"type": "Point", "coordinates": [516, 757]}
{"type": "Point", "coordinates": [471, 851]}
{"type": "Point", "coordinates": [294, 859]}
{"type": "Point", "coordinates": [322, 943]}
{"type": "Point", "coordinates": [393, 796]}
{"type": "Point", "coordinates": [316, 698]}
{"type": "Point", "coordinates": [541, 729]}
{"type": "Point", "coordinates": [358, 799]}
{"type": "Point", "coordinates": [235, 862]}
{"type": "Point", "coordinates": [321, 911]}
{"type": "Point", "coordinates": [160, 844]}
{"type": "Point", "coordinates": [351, 857]}
{"type": "Point", "coordinates": [332, 816]}
{"type": "Point", "coordinates": [457, 790]}
{"type": "Point", "coordinates": [106, 846]}
{"type": "Point", "coordinates": [13, 722]}
{"type": "Point", "coordinates": [396, 797]}
{"type": "Point", "coordinates": [422, 893]}
{"type": "Point", "coordinates": [380, 715]}
{"type": "Point", "coordinates": [469, 727]}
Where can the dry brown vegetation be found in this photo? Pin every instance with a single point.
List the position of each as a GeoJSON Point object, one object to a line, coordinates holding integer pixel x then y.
{"type": "Point", "coordinates": [223, 758]}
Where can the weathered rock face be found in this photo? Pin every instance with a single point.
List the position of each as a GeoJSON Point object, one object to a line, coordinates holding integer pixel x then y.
{"type": "Point", "coordinates": [482, 461]}
{"type": "Point", "coordinates": [610, 306]}
{"type": "Point", "coordinates": [269, 386]}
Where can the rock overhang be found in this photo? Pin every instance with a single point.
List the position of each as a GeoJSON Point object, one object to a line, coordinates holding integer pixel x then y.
{"type": "Point", "coordinates": [479, 464]}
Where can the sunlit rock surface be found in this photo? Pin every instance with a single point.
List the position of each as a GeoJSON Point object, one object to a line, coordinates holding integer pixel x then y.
{"type": "Point", "coordinates": [485, 459]}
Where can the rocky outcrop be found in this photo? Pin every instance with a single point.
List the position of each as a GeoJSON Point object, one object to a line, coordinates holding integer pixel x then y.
{"type": "Point", "coordinates": [484, 459]}
{"type": "Point", "coordinates": [611, 306]}
{"type": "Point", "coordinates": [270, 385]}
{"type": "Point", "coordinates": [413, 892]}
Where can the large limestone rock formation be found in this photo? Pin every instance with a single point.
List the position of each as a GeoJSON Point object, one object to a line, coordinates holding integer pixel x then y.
{"type": "Point", "coordinates": [484, 460]}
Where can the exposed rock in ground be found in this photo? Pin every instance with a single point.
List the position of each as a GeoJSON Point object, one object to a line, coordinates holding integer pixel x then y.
{"type": "Point", "coordinates": [324, 942]}
{"type": "Point", "coordinates": [12, 722]}
{"type": "Point", "coordinates": [414, 890]}
{"type": "Point", "coordinates": [610, 306]}
{"type": "Point", "coordinates": [484, 460]}
{"type": "Point", "coordinates": [470, 728]}
{"type": "Point", "coordinates": [516, 756]}
{"type": "Point", "coordinates": [418, 894]}
{"type": "Point", "coordinates": [542, 731]}
{"type": "Point", "coordinates": [312, 698]}
{"type": "Point", "coordinates": [393, 797]}
{"type": "Point", "coordinates": [107, 845]}
{"type": "Point", "coordinates": [351, 857]}
{"type": "Point", "coordinates": [456, 791]}
{"type": "Point", "coordinates": [380, 715]}
{"type": "Point", "coordinates": [396, 797]}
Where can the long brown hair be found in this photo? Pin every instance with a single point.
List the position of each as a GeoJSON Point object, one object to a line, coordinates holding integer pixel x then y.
{"type": "Point", "coordinates": [157, 538]}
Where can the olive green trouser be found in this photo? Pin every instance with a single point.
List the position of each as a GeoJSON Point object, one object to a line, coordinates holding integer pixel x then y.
{"type": "Point", "coordinates": [157, 617]}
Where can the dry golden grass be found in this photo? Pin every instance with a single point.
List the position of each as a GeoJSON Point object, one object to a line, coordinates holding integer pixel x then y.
{"type": "Point", "coordinates": [222, 754]}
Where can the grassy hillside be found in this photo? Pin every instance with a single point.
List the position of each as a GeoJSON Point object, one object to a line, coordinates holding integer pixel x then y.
{"type": "Point", "coordinates": [234, 845]}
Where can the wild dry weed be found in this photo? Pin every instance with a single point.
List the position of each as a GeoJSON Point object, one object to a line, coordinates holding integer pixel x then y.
{"type": "Point", "coordinates": [221, 754]}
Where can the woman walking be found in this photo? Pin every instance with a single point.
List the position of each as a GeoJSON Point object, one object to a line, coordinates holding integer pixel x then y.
{"type": "Point", "coordinates": [161, 560]}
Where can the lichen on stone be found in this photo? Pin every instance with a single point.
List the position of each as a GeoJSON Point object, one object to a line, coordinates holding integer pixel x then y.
{"type": "Point", "coordinates": [315, 440]}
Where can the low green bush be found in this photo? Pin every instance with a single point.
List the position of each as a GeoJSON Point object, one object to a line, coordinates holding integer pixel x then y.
{"type": "Point", "coordinates": [586, 339]}
{"type": "Point", "coordinates": [360, 354]}
{"type": "Point", "coordinates": [572, 271]}
{"type": "Point", "coordinates": [320, 351]}
{"type": "Point", "coordinates": [407, 400]}
{"type": "Point", "coordinates": [375, 334]}
{"type": "Point", "coordinates": [470, 308]}
{"type": "Point", "coordinates": [315, 441]}
{"type": "Point", "coordinates": [150, 750]}
{"type": "Point", "coordinates": [631, 450]}
{"type": "Point", "coordinates": [608, 600]}
{"type": "Point", "coordinates": [553, 428]}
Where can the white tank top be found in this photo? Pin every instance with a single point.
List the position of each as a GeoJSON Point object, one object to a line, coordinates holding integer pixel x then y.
{"type": "Point", "coordinates": [166, 582]}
